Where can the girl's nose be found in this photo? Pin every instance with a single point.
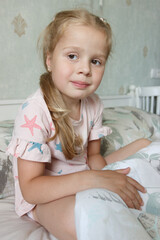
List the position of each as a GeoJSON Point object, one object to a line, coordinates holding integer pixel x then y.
{"type": "Point", "coordinates": [85, 68]}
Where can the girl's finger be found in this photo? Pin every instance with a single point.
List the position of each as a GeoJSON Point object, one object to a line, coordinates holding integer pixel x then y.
{"type": "Point", "coordinates": [126, 199]}
{"type": "Point", "coordinates": [134, 196]}
{"type": "Point", "coordinates": [136, 185]}
{"type": "Point", "coordinates": [123, 171]}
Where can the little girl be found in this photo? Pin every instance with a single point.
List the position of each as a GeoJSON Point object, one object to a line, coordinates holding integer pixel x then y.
{"type": "Point", "coordinates": [56, 139]}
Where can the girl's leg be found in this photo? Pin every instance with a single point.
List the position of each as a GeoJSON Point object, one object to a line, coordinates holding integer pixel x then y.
{"type": "Point", "coordinates": [58, 217]}
{"type": "Point", "coordinates": [127, 151]}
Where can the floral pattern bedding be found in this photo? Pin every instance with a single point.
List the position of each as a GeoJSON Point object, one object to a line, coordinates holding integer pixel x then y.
{"type": "Point", "coordinates": [128, 124]}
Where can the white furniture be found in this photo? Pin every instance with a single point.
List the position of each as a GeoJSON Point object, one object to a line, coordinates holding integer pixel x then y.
{"type": "Point", "coordinates": [148, 98]}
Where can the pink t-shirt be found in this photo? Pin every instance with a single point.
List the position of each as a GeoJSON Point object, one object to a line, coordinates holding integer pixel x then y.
{"type": "Point", "coordinates": [34, 126]}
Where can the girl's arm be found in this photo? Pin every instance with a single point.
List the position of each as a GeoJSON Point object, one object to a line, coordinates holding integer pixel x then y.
{"type": "Point", "coordinates": [38, 189]}
{"type": "Point", "coordinates": [127, 151]}
{"type": "Point", "coordinates": [95, 159]}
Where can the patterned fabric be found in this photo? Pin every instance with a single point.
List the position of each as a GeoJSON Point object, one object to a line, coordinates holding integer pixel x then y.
{"type": "Point", "coordinates": [144, 163]}
{"type": "Point", "coordinates": [151, 223]}
{"type": "Point", "coordinates": [6, 176]}
{"type": "Point", "coordinates": [33, 128]}
{"type": "Point", "coordinates": [128, 124]}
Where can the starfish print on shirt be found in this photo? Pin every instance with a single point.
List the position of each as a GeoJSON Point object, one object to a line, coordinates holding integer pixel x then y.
{"type": "Point", "coordinates": [25, 105]}
{"type": "Point", "coordinates": [36, 145]}
{"type": "Point", "coordinates": [30, 124]}
{"type": "Point", "coordinates": [59, 147]}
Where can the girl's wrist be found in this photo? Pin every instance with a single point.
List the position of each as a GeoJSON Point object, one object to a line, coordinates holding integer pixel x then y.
{"type": "Point", "coordinates": [86, 180]}
{"type": "Point", "coordinates": [89, 180]}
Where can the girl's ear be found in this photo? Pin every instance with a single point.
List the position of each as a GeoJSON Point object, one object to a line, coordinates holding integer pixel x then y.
{"type": "Point", "coordinates": [48, 62]}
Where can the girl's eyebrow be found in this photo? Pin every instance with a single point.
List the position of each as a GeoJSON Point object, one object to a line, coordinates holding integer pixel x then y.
{"type": "Point", "coordinates": [97, 54]}
{"type": "Point", "coordinates": [72, 47]}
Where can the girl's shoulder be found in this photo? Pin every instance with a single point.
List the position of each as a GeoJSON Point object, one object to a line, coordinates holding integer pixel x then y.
{"type": "Point", "coordinates": [35, 98]}
{"type": "Point", "coordinates": [33, 120]}
{"type": "Point", "coordinates": [35, 103]}
{"type": "Point", "coordinates": [34, 106]}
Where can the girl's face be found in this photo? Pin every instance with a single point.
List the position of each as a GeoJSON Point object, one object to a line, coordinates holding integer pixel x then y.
{"type": "Point", "coordinates": [78, 61]}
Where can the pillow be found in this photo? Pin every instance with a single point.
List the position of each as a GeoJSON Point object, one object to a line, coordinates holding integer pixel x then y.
{"type": "Point", "coordinates": [152, 120]}
{"type": "Point", "coordinates": [6, 176]}
{"type": "Point", "coordinates": [128, 124]}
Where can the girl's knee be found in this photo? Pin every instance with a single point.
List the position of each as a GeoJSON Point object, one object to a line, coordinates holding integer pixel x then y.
{"type": "Point", "coordinates": [58, 218]}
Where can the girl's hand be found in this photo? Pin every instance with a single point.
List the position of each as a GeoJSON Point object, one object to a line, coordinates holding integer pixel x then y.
{"type": "Point", "coordinates": [126, 187]}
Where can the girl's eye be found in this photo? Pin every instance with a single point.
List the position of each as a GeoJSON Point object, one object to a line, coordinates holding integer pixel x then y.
{"type": "Point", "coordinates": [72, 56]}
{"type": "Point", "coordinates": [96, 62]}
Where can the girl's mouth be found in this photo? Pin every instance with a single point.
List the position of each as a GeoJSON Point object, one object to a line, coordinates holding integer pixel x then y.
{"type": "Point", "coordinates": [79, 84]}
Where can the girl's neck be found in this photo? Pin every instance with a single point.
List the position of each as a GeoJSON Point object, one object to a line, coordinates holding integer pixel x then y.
{"type": "Point", "coordinates": [74, 106]}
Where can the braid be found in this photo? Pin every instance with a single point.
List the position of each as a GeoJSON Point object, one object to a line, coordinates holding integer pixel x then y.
{"type": "Point", "coordinates": [70, 142]}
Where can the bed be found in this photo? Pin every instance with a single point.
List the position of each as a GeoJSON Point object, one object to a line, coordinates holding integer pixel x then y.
{"type": "Point", "coordinates": [128, 123]}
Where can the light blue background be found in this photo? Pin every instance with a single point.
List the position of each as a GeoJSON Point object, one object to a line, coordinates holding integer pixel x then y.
{"type": "Point", "coordinates": [136, 43]}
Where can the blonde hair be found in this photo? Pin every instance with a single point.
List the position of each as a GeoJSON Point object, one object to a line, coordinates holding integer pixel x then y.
{"type": "Point", "coordinates": [70, 142]}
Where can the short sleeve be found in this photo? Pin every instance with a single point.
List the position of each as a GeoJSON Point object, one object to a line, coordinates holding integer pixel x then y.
{"type": "Point", "coordinates": [97, 130]}
{"type": "Point", "coordinates": [31, 132]}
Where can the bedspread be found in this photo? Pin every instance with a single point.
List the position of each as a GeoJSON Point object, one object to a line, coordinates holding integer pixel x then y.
{"type": "Point", "coordinates": [101, 214]}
